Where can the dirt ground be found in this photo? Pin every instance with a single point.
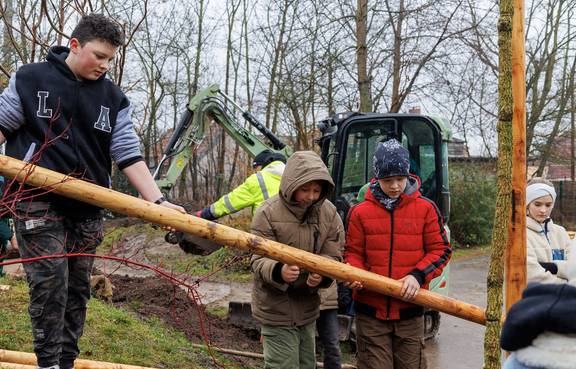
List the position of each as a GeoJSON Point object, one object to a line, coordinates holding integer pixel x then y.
{"type": "Point", "coordinates": [156, 297]}
{"type": "Point", "coordinates": [149, 295]}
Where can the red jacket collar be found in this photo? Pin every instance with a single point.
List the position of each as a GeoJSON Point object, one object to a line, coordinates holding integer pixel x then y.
{"type": "Point", "coordinates": [411, 192]}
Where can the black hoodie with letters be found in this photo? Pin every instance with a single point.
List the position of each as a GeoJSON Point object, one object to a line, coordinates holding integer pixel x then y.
{"type": "Point", "coordinates": [72, 126]}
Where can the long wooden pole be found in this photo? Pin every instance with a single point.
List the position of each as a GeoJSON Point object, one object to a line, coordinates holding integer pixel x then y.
{"type": "Point", "coordinates": [16, 366]}
{"type": "Point", "coordinates": [25, 359]}
{"type": "Point", "coordinates": [516, 252]}
{"type": "Point", "coordinates": [129, 205]}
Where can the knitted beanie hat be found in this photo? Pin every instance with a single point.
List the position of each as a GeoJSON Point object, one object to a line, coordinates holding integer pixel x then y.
{"type": "Point", "coordinates": [537, 190]}
{"type": "Point", "coordinates": [391, 159]}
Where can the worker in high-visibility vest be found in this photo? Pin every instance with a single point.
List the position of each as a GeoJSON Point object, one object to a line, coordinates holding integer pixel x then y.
{"type": "Point", "coordinates": [263, 184]}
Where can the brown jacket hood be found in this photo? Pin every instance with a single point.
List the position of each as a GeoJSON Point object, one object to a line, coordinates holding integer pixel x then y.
{"type": "Point", "coordinates": [303, 167]}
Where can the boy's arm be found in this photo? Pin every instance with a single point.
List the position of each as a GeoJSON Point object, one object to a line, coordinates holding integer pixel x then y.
{"type": "Point", "coordinates": [11, 112]}
{"type": "Point", "coordinates": [355, 254]}
{"type": "Point", "coordinates": [140, 177]}
{"type": "Point", "coordinates": [268, 269]}
{"type": "Point", "coordinates": [437, 249]}
{"type": "Point", "coordinates": [125, 150]}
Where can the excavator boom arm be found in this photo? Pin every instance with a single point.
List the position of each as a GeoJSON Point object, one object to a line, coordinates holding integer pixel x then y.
{"type": "Point", "coordinates": [211, 105]}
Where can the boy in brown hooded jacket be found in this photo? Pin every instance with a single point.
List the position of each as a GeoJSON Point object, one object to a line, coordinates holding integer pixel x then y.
{"type": "Point", "coordinates": [285, 298]}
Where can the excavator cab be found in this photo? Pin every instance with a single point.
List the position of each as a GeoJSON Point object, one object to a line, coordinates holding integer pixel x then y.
{"type": "Point", "coordinates": [348, 143]}
{"type": "Point", "coordinates": [349, 140]}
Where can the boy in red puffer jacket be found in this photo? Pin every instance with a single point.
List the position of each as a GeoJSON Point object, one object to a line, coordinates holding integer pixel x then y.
{"type": "Point", "coordinates": [399, 234]}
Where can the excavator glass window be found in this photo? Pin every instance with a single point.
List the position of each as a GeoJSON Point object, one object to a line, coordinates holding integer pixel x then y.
{"type": "Point", "coordinates": [359, 148]}
{"type": "Point", "coordinates": [359, 143]}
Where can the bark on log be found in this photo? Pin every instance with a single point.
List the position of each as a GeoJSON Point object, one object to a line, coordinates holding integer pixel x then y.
{"type": "Point", "coordinates": [26, 360]}
{"type": "Point", "coordinates": [129, 205]}
{"type": "Point", "coordinates": [15, 366]}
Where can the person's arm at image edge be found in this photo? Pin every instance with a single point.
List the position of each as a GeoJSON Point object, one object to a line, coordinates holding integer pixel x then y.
{"type": "Point", "coordinates": [140, 177]}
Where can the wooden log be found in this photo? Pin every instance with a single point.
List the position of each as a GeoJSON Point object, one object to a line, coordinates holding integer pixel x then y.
{"type": "Point", "coordinates": [16, 366]}
{"type": "Point", "coordinates": [515, 281]}
{"type": "Point", "coordinates": [28, 359]}
{"type": "Point", "coordinates": [129, 205]}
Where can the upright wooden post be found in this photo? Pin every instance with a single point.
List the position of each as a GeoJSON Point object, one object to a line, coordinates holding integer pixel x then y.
{"type": "Point", "coordinates": [516, 252]}
{"type": "Point", "coordinates": [503, 211]}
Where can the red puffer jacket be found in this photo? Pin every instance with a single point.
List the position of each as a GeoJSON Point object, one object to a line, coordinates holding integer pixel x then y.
{"type": "Point", "coordinates": [407, 240]}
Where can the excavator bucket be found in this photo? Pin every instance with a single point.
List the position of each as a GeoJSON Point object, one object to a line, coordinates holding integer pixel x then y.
{"type": "Point", "coordinates": [198, 245]}
{"type": "Point", "coordinates": [240, 315]}
{"type": "Point", "coordinates": [192, 244]}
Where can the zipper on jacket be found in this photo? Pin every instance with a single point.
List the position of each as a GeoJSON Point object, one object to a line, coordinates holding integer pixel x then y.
{"type": "Point", "coordinates": [316, 236]}
{"type": "Point", "coordinates": [389, 299]}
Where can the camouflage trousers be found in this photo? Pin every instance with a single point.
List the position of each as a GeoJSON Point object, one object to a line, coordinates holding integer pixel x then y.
{"type": "Point", "coordinates": [59, 287]}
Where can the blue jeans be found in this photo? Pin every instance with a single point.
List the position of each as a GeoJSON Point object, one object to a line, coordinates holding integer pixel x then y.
{"type": "Point", "coordinates": [513, 363]}
{"type": "Point", "coordinates": [327, 326]}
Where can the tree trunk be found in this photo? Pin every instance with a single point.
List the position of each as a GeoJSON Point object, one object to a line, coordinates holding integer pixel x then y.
{"type": "Point", "coordinates": [276, 63]}
{"type": "Point", "coordinates": [362, 56]}
{"type": "Point", "coordinates": [246, 53]}
{"type": "Point", "coordinates": [572, 124]}
{"type": "Point", "coordinates": [503, 200]}
{"type": "Point", "coordinates": [397, 59]}
{"type": "Point", "coordinates": [193, 90]}
{"type": "Point", "coordinates": [330, 84]}
{"type": "Point", "coordinates": [199, 45]}
{"type": "Point", "coordinates": [7, 61]}
{"type": "Point", "coordinates": [545, 66]}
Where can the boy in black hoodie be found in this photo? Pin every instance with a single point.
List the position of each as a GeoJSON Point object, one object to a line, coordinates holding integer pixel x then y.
{"type": "Point", "coordinates": [64, 114]}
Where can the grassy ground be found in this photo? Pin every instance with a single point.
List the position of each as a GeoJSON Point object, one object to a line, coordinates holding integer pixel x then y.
{"type": "Point", "coordinates": [470, 252]}
{"type": "Point", "coordinates": [112, 235]}
{"type": "Point", "coordinates": [110, 335]}
{"type": "Point", "coordinates": [214, 264]}
{"type": "Point", "coordinates": [177, 262]}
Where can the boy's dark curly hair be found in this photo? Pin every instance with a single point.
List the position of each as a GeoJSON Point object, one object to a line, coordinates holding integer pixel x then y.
{"type": "Point", "coordinates": [97, 26]}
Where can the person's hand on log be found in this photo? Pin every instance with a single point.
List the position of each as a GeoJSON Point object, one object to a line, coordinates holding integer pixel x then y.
{"type": "Point", "coordinates": [313, 280]}
{"type": "Point", "coordinates": [290, 273]}
{"type": "Point", "coordinates": [167, 204]}
{"type": "Point", "coordinates": [356, 285]}
{"type": "Point", "coordinates": [410, 287]}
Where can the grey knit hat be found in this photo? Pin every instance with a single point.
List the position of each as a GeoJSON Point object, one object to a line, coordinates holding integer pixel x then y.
{"type": "Point", "coordinates": [391, 159]}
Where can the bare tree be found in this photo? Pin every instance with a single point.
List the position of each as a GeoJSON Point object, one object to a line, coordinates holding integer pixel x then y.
{"type": "Point", "coordinates": [362, 55]}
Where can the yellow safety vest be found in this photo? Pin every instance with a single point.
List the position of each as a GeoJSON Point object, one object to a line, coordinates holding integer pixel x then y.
{"type": "Point", "coordinates": [257, 188]}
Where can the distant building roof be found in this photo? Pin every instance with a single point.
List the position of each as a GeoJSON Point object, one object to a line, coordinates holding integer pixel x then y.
{"type": "Point", "coordinates": [457, 148]}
